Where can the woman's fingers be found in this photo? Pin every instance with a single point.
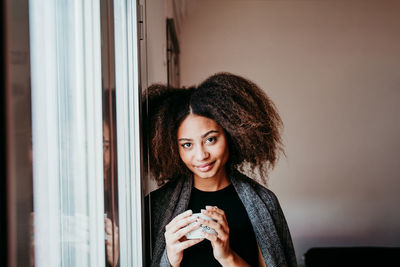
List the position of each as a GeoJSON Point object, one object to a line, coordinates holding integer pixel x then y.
{"type": "Point", "coordinates": [172, 226]}
{"type": "Point", "coordinates": [215, 213]}
{"type": "Point", "coordinates": [220, 225]}
{"type": "Point", "coordinates": [177, 236]}
{"type": "Point", "coordinates": [218, 217]}
{"type": "Point", "coordinates": [212, 224]}
{"type": "Point", "coordinates": [188, 243]}
{"type": "Point", "coordinates": [222, 232]}
{"type": "Point", "coordinates": [181, 225]}
{"type": "Point", "coordinates": [182, 215]}
{"type": "Point", "coordinates": [175, 252]}
{"type": "Point", "coordinates": [210, 237]}
{"type": "Point", "coordinates": [108, 225]}
{"type": "Point", "coordinates": [176, 226]}
{"type": "Point", "coordinates": [185, 230]}
{"type": "Point", "coordinates": [215, 209]}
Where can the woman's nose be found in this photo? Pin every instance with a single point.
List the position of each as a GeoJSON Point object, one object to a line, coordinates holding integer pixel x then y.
{"type": "Point", "coordinates": [202, 154]}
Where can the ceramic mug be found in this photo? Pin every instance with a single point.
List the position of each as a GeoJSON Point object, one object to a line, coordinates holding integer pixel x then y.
{"type": "Point", "coordinates": [196, 234]}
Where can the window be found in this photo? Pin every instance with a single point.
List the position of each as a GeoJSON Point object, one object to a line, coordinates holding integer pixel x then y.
{"type": "Point", "coordinates": [85, 134]}
{"type": "Point", "coordinates": [67, 133]}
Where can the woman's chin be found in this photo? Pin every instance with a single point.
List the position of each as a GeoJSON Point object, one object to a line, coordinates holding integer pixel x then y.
{"type": "Point", "coordinates": [204, 176]}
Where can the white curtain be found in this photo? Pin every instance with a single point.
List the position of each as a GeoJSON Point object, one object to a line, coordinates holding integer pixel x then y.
{"type": "Point", "coordinates": [67, 133]}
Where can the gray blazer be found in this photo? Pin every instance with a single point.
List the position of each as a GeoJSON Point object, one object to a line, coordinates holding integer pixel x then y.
{"type": "Point", "coordinates": [262, 206]}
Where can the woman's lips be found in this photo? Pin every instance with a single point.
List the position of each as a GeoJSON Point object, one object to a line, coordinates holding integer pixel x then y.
{"type": "Point", "coordinates": [205, 167]}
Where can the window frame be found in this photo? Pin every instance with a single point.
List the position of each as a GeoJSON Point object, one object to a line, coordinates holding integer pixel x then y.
{"type": "Point", "coordinates": [129, 148]}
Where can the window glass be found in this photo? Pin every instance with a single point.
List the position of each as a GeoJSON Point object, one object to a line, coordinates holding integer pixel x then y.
{"type": "Point", "coordinates": [67, 133]}
{"type": "Point", "coordinates": [128, 132]}
{"type": "Point", "coordinates": [110, 178]}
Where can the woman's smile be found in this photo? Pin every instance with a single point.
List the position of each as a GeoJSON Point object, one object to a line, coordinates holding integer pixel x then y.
{"type": "Point", "coordinates": [205, 167]}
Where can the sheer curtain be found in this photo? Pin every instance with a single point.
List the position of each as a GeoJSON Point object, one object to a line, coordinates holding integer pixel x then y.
{"type": "Point", "coordinates": [67, 133]}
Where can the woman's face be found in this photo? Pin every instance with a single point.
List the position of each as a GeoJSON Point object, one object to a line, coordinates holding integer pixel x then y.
{"type": "Point", "coordinates": [203, 147]}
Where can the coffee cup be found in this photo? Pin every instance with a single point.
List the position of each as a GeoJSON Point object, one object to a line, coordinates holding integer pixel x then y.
{"type": "Point", "coordinates": [196, 234]}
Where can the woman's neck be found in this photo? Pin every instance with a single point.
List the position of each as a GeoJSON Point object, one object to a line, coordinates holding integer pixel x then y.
{"type": "Point", "coordinates": [211, 184]}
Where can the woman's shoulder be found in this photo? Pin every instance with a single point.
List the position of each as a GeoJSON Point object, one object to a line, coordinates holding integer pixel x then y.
{"type": "Point", "coordinates": [164, 191]}
{"type": "Point", "coordinates": [262, 191]}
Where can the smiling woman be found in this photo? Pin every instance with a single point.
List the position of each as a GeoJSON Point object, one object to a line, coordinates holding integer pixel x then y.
{"type": "Point", "coordinates": [200, 139]}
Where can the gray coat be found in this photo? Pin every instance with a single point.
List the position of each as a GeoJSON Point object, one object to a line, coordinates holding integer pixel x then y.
{"type": "Point", "coordinates": [262, 206]}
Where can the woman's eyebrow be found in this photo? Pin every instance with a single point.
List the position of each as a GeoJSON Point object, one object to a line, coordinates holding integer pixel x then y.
{"type": "Point", "coordinates": [184, 139]}
{"type": "Point", "coordinates": [204, 135]}
{"type": "Point", "coordinates": [209, 132]}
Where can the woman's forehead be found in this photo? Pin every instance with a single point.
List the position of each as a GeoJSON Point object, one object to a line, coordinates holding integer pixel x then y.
{"type": "Point", "coordinates": [195, 126]}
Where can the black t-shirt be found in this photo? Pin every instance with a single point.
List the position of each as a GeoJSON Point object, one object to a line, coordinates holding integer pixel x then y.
{"type": "Point", "coordinates": [242, 238]}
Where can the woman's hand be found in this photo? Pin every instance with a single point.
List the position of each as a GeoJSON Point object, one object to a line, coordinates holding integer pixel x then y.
{"type": "Point", "coordinates": [112, 247]}
{"type": "Point", "coordinates": [175, 240]}
{"type": "Point", "coordinates": [220, 242]}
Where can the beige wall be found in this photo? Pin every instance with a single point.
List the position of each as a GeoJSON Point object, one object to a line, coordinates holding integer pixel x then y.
{"type": "Point", "coordinates": [333, 69]}
{"type": "Point", "coordinates": [157, 12]}
{"type": "Point", "coordinates": [156, 15]}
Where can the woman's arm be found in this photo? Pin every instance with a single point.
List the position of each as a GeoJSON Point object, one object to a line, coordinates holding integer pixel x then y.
{"type": "Point", "coordinates": [234, 260]}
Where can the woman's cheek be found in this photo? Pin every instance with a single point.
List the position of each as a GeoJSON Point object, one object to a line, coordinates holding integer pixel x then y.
{"type": "Point", "coordinates": [185, 157]}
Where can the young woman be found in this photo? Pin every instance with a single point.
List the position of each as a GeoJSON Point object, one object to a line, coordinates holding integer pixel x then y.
{"type": "Point", "coordinates": [201, 142]}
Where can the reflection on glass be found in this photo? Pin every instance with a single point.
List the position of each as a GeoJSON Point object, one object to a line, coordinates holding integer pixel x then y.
{"type": "Point", "coordinates": [110, 181]}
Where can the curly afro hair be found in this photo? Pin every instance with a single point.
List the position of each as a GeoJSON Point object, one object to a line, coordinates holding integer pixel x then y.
{"type": "Point", "coordinates": [249, 118]}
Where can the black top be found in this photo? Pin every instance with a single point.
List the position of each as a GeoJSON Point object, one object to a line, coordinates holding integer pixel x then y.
{"type": "Point", "coordinates": [242, 238]}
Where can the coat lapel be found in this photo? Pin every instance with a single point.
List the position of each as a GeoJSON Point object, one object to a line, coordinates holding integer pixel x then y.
{"type": "Point", "coordinates": [177, 204]}
{"type": "Point", "coordinates": [262, 222]}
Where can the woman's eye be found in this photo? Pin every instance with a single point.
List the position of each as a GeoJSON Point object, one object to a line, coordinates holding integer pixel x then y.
{"type": "Point", "coordinates": [186, 145]}
{"type": "Point", "coordinates": [211, 140]}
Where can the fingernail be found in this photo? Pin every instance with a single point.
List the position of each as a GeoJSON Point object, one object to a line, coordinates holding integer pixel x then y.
{"type": "Point", "coordinates": [208, 207]}
{"type": "Point", "coordinates": [202, 210]}
{"type": "Point", "coordinates": [188, 211]}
